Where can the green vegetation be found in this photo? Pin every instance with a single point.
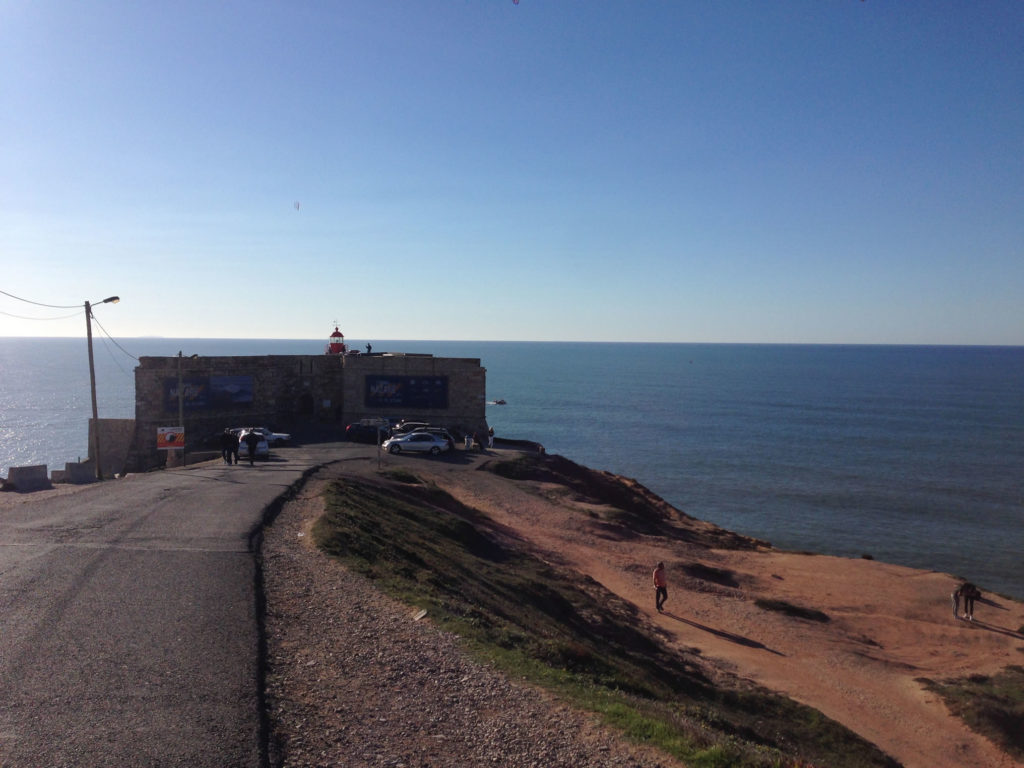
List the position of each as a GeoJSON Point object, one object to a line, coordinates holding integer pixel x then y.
{"type": "Point", "coordinates": [401, 476]}
{"type": "Point", "coordinates": [992, 706]}
{"type": "Point", "coordinates": [709, 573]}
{"type": "Point", "coordinates": [789, 609]}
{"type": "Point", "coordinates": [566, 633]}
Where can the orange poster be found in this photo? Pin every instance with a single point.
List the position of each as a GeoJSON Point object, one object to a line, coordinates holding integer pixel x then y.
{"type": "Point", "coordinates": [170, 437]}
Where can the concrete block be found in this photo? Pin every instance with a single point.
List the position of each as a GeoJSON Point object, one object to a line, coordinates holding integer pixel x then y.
{"type": "Point", "coordinates": [33, 478]}
{"type": "Point", "coordinates": [80, 471]}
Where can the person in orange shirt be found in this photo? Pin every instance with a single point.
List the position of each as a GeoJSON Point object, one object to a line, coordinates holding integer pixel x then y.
{"type": "Point", "coordinates": [660, 587]}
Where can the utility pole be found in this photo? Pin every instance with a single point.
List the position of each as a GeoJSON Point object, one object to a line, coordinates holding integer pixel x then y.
{"type": "Point", "coordinates": [92, 385]}
{"type": "Point", "coordinates": [181, 407]}
{"type": "Point", "coordinates": [92, 390]}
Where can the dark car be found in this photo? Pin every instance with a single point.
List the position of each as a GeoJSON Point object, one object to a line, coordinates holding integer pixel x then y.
{"type": "Point", "coordinates": [360, 432]}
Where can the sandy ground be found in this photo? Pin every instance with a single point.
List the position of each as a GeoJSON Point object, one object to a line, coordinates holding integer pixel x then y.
{"type": "Point", "coordinates": [889, 625]}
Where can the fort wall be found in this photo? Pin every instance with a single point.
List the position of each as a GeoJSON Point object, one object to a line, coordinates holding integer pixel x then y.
{"type": "Point", "coordinates": [307, 395]}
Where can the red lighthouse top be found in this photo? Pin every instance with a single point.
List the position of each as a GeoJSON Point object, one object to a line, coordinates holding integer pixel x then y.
{"type": "Point", "coordinates": [336, 344]}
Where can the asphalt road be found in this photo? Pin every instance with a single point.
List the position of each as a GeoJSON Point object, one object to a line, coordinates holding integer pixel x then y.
{"type": "Point", "coordinates": [128, 618]}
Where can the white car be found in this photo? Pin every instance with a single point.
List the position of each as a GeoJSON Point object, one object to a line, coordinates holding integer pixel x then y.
{"type": "Point", "coordinates": [416, 442]}
{"type": "Point", "coordinates": [273, 438]}
{"type": "Point", "coordinates": [262, 448]}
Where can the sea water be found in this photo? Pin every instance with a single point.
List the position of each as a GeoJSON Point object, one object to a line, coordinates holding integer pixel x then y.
{"type": "Point", "coordinates": [912, 455]}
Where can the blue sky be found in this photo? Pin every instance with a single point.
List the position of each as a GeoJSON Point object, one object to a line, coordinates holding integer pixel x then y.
{"type": "Point", "coordinates": [820, 171]}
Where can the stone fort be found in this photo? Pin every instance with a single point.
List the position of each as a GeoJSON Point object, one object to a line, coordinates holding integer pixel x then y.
{"type": "Point", "coordinates": [311, 396]}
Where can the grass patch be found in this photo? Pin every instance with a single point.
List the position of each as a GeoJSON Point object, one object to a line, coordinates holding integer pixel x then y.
{"type": "Point", "coordinates": [566, 633]}
{"type": "Point", "coordinates": [781, 606]}
{"type": "Point", "coordinates": [991, 705]}
{"type": "Point", "coordinates": [401, 476]}
{"type": "Point", "coordinates": [721, 576]}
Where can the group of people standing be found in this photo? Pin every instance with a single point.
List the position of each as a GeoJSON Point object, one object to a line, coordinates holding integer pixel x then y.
{"type": "Point", "coordinates": [481, 438]}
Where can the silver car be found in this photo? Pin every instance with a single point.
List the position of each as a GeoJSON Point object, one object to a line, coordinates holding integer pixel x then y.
{"type": "Point", "coordinates": [262, 449]}
{"type": "Point", "coordinates": [416, 442]}
{"type": "Point", "coordinates": [273, 438]}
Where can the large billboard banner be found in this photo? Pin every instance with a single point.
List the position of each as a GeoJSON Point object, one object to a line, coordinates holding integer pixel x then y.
{"type": "Point", "coordinates": [201, 393]}
{"type": "Point", "coordinates": [407, 391]}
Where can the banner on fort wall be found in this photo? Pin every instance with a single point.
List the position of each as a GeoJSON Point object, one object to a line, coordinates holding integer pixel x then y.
{"type": "Point", "coordinates": [407, 391]}
{"type": "Point", "coordinates": [169, 438]}
{"type": "Point", "coordinates": [208, 392]}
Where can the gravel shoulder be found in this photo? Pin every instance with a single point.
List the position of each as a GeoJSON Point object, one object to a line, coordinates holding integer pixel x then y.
{"type": "Point", "coordinates": [354, 680]}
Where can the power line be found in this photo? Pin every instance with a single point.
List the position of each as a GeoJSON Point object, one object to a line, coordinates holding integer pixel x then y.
{"type": "Point", "coordinates": [22, 317]}
{"type": "Point", "coordinates": [112, 339]}
{"type": "Point", "coordinates": [40, 304]}
{"type": "Point", "coordinates": [114, 359]}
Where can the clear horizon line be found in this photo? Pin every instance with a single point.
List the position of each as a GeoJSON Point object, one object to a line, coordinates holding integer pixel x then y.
{"type": "Point", "coordinates": [556, 341]}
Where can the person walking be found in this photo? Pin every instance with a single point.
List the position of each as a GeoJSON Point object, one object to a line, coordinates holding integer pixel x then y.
{"type": "Point", "coordinates": [490, 437]}
{"type": "Point", "coordinates": [234, 447]}
{"type": "Point", "coordinates": [225, 446]}
{"type": "Point", "coordinates": [660, 588]}
{"type": "Point", "coordinates": [969, 593]}
{"type": "Point", "coordinates": [251, 441]}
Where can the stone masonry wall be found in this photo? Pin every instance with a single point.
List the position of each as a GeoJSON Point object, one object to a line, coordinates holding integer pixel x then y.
{"type": "Point", "coordinates": [293, 393]}
{"type": "Point", "coordinates": [117, 438]}
{"type": "Point", "coordinates": [467, 387]}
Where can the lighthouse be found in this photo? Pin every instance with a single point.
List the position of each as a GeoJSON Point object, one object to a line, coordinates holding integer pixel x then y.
{"type": "Point", "coordinates": [336, 343]}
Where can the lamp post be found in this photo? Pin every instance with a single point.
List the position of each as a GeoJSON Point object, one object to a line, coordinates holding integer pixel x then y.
{"type": "Point", "coordinates": [92, 383]}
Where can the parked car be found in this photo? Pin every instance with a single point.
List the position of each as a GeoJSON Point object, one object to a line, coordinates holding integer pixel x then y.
{"type": "Point", "coordinates": [262, 449]}
{"type": "Point", "coordinates": [416, 442]}
{"type": "Point", "coordinates": [440, 432]}
{"type": "Point", "coordinates": [407, 426]}
{"type": "Point", "coordinates": [273, 438]}
{"type": "Point", "coordinates": [361, 432]}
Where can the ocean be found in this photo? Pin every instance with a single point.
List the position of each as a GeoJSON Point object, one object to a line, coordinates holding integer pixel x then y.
{"type": "Point", "coordinates": [912, 455]}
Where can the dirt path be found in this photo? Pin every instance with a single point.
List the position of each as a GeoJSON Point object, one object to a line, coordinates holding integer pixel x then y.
{"type": "Point", "coordinates": [888, 625]}
{"type": "Point", "coordinates": [354, 679]}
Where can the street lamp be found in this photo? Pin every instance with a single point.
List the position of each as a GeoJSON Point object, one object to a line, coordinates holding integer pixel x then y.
{"type": "Point", "coordinates": [92, 383]}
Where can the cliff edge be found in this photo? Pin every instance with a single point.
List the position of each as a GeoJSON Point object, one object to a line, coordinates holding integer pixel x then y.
{"type": "Point", "coordinates": [549, 563]}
